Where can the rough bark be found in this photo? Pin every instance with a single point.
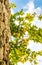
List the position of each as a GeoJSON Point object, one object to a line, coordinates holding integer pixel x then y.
{"type": "Point", "coordinates": [4, 31]}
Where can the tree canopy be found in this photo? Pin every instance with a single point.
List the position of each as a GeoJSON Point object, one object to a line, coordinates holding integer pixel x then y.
{"type": "Point", "coordinates": [20, 25]}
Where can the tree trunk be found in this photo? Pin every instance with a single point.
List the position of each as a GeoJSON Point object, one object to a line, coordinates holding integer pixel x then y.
{"type": "Point", "coordinates": [4, 32]}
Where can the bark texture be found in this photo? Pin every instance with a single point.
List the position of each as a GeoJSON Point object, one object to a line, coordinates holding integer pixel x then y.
{"type": "Point", "coordinates": [4, 31]}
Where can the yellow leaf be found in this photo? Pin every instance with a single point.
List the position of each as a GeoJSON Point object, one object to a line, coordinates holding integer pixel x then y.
{"type": "Point", "coordinates": [14, 33]}
{"type": "Point", "coordinates": [28, 15]}
{"type": "Point", "coordinates": [18, 34]}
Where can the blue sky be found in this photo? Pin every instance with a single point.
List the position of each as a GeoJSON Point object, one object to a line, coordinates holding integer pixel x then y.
{"type": "Point", "coordinates": [38, 3]}
{"type": "Point", "coordinates": [21, 3]}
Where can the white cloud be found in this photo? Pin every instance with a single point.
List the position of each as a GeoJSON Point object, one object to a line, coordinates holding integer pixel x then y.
{"type": "Point", "coordinates": [30, 6]}
{"type": "Point", "coordinates": [12, 38]}
{"type": "Point", "coordinates": [19, 63]}
{"type": "Point", "coordinates": [37, 22]}
{"type": "Point", "coordinates": [34, 46]}
{"type": "Point", "coordinates": [16, 22]}
{"type": "Point", "coordinates": [26, 63]}
{"type": "Point", "coordinates": [12, 11]}
{"type": "Point", "coordinates": [38, 11]}
{"type": "Point", "coordinates": [39, 58]}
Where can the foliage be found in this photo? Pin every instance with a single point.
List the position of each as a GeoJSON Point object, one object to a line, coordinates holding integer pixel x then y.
{"type": "Point", "coordinates": [12, 5]}
{"type": "Point", "coordinates": [40, 17]}
{"type": "Point", "coordinates": [18, 46]}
